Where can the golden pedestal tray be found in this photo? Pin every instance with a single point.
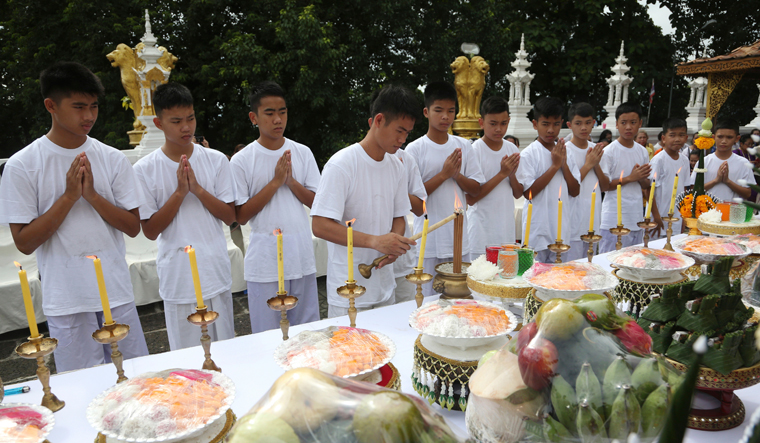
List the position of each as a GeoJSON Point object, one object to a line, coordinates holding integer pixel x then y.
{"type": "Point", "coordinates": [738, 270]}
{"type": "Point", "coordinates": [450, 388]}
{"type": "Point", "coordinates": [211, 435]}
{"type": "Point", "coordinates": [638, 293]}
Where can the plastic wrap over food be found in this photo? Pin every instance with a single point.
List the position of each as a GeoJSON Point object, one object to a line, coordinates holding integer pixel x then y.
{"type": "Point", "coordinates": [20, 423]}
{"type": "Point", "coordinates": [648, 258]}
{"type": "Point", "coordinates": [308, 406]}
{"type": "Point", "coordinates": [751, 241]}
{"type": "Point", "coordinates": [337, 350]}
{"type": "Point", "coordinates": [703, 246]}
{"type": "Point", "coordinates": [573, 276]}
{"type": "Point", "coordinates": [581, 371]}
{"type": "Point", "coordinates": [161, 405]}
{"type": "Point", "coordinates": [462, 318]}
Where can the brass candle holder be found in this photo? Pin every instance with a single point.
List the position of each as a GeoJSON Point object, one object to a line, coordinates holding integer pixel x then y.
{"type": "Point", "coordinates": [591, 238]}
{"type": "Point", "coordinates": [350, 291]}
{"type": "Point", "coordinates": [111, 334]}
{"type": "Point", "coordinates": [558, 248]}
{"type": "Point", "coordinates": [669, 232]}
{"type": "Point", "coordinates": [646, 225]}
{"type": "Point", "coordinates": [203, 317]}
{"type": "Point", "coordinates": [283, 302]}
{"type": "Point", "coordinates": [418, 278]}
{"type": "Point", "coordinates": [620, 231]}
{"type": "Point", "coordinates": [37, 348]}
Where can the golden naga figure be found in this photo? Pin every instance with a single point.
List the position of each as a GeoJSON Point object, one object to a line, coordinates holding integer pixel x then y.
{"type": "Point", "coordinates": [469, 81]}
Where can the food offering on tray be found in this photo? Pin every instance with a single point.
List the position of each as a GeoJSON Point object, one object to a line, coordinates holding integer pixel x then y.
{"type": "Point", "coordinates": [337, 350]}
{"type": "Point", "coordinates": [308, 406]}
{"type": "Point", "coordinates": [581, 371]}
{"type": "Point", "coordinates": [162, 406]}
{"type": "Point", "coordinates": [24, 423]}
{"type": "Point", "coordinates": [751, 241]}
{"type": "Point", "coordinates": [462, 319]}
{"type": "Point", "coordinates": [483, 278]}
{"type": "Point", "coordinates": [710, 249]}
{"type": "Point", "coordinates": [648, 262]}
{"type": "Point", "coordinates": [570, 280]}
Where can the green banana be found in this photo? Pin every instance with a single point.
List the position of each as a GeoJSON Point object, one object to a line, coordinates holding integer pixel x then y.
{"type": "Point", "coordinates": [587, 387]}
{"type": "Point", "coordinates": [590, 425]}
{"type": "Point", "coordinates": [565, 403]}
{"type": "Point", "coordinates": [654, 411]}
{"type": "Point", "coordinates": [646, 378]}
{"type": "Point", "coordinates": [554, 431]}
{"type": "Point", "coordinates": [626, 415]}
{"type": "Point", "coordinates": [617, 375]}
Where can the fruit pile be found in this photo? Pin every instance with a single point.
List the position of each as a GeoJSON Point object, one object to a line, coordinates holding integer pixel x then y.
{"type": "Point", "coordinates": [21, 424]}
{"type": "Point", "coordinates": [648, 258]}
{"type": "Point", "coordinates": [582, 371]}
{"type": "Point", "coordinates": [461, 318]}
{"type": "Point", "coordinates": [573, 276]}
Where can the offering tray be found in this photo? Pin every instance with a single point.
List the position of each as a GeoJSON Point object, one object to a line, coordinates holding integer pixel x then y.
{"type": "Point", "coordinates": [145, 387]}
{"type": "Point", "coordinates": [213, 433]}
{"type": "Point", "coordinates": [639, 293]}
{"type": "Point", "coordinates": [665, 265]}
{"type": "Point", "coordinates": [440, 379]}
{"type": "Point", "coordinates": [45, 419]}
{"type": "Point", "coordinates": [725, 228]}
{"type": "Point", "coordinates": [313, 349]}
{"type": "Point", "coordinates": [603, 280]}
{"type": "Point", "coordinates": [500, 287]}
{"type": "Point", "coordinates": [707, 257]}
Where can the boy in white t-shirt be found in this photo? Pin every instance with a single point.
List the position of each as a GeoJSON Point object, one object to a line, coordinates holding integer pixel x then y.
{"type": "Point", "coordinates": [366, 182]}
{"type": "Point", "coordinates": [492, 212]}
{"type": "Point", "coordinates": [189, 194]}
{"type": "Point", "coordinates": [667, 164]}
{"type": "Point", "coordinates": [626, 156]}
{"type": "Point", "coordinates": [544, 172]}
{"type": "Point", "coordinates": [67, 196]}
{"type": "Point", "coordinates": [723, 168]}
{"type": "Point", "coordinates": [580, 120]}
{"type": "Point", "coordinates": [449, 169]}
{"type": "Point", "coordinates": [275, 178]}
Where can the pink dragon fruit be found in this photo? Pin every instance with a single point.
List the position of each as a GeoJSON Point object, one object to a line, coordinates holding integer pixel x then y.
{"type": "Point", "coordinates": [634, 338]}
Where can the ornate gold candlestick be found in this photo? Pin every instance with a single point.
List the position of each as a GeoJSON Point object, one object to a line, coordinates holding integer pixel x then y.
{"type": "Point", "coordinates": [37, 348]}
{"type": "Point", "coordinates": [283, 303]}
{"type": "Point", "coordinates": [558, 248]}
{"type": "Point", "coordinates": [620, 231]}
{"type": "Point", "coordinates": [203, 317]}
{"type": "Point", "coordinates": [646, 225]}
{"type": "Point", "coordinates": [591, 238]}
{"type": "Point", "coordinates": [350, 291]}
{"type": "Point", "coordinates": [670, 219]}
{"type": "Point", "coordinates": [111, 335]}
{"type": "Point", "coordinates": [418, 278]}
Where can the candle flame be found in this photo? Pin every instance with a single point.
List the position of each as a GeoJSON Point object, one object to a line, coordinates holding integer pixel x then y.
{"type": "Point", "coordinates": [277, 232]}
{"type": "Point", "coordinates": [560, 193]}
{"type": "Point", "coordinates": [595, 185]}
{"type": "Point", "coordinates": [188, 248]}
{"type": "Point", "coordinates": [350, 223]}
{"type": "Point", "coordinates": [621, 176]}
{"type": "Point", "coordinates": [18, 265]}
{"type": "Point", "coordinates": [457, 202]}
{"type": "Point", "coordinates": [92, 257]}
{"type": "Point", "coordinates": [424, 207]}
{"type": "Point", "coordinates": [654, 177]}
{"type": "Point", "coordinates": [679, 171]}
{"type": "Point", "coordinates": [530, 195]}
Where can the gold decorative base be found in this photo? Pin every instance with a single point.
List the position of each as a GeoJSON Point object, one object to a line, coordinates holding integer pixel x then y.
{"type": "Point", "coordinates": [418, 278]}
{"type": "Point", "coordinates": [727, 228]}
{"type": "Point", "coordinates": [498, 291]}
{"type": "Point", "coordinates": [203, 318]}
{"type": "Point", "coordinates": [135, 137]}
{"type": "Point", "coordinates": [37, 348]}
{"type": "Point", "coordinates": [646, 225]}
{"type": "Point", "coordinates": [283, 302]}
{"type": "Point", "coordinates": [620, 231]}
{"type": "Point", "coordinates": [637, 293]}
{"type": "Point", "coordinates": [738, 270]}
{"type": "Point", "coordinates": [692, 223]}
{"type": "Point", "coordinates": [350, 291]}
{"type": "Point", "coordinates": [558, 248]}
{"type": "Point", "coordinates": [670, 220]}
{"type": "Point", "coordinates": [467, 128]}
{"type": "Point", "coordinates": [450, 387]}
{"type": "Point", "coordinates": [111, 335]}
{"type": "Point", "coordinates": [451, 285]}
{"type": "Point", "coordinates": [229, 418]}
{"type": "Point", "coordinates": [591, 238]}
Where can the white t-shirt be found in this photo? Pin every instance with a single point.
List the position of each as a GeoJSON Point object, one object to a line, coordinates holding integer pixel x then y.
{"type": "Point", "coordinates": [738, 168]}
{"type": "Point", "coordinates": [535, 160]}
{"type": "Point", "coordinates": [492, 219]}
{"type": "Point", "coordinates": [193, 225]}
{"type": "Point", "coordinates": [356, 186]}
{"type": "Point", "coordinates": [430, 157]}
{"type": "Point", "coordinates": [667, 169]}
{"type": "Point", "coordinates": [404, 265]}
{"type": "Point", "coordinates": [252, 169]}
{"type": "Point", "coordinates": [618, 158]}
{"type": "Point", "coordinates": [33, 180]}
{"type": "Point", "coordinates": [581, 205]}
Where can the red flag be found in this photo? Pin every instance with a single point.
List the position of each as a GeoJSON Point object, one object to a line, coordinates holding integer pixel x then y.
{"type": "Point", "coordinates": [651, 93]}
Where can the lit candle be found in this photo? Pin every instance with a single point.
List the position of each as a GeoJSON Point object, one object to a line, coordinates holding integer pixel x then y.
{"type": "Point", "coordinates": [424, 237]}
{"type": "Point", "coordinates": [196, 278]}
{"type": "Point", "coordinates": [102, 288]}
{"type": "Point", "coordinates": [651, 197]}
{"type": "Point", "coordinates": [280, 266]}
{"type": "Point", "coordinates": [675, 190]}
{"type": "Point", "coordinates": [559, 215]}
{"type": "Point", "coordinates": [593, 206]}
{"type": "Point", "coordinates": [350, 245]}
{"type": "Point", "coordinates": [530, 214]}
{"type": "Point", "coordinates": [619, 201]}
{"type": "Point", "coordinates": [30, 317]}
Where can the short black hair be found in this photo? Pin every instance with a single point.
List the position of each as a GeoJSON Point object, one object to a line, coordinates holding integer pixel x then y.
{"type": "Point", "coordinates": [516, 140]}
{"type": "Point", "coordinates": [659, 135]}
{"type": "Point", "coordinates": [439, 90]}
{"type": "Point", "coordinates": [746, 137]}
{"type": "Point", "coordinates": [581, 109]}
{"type": "Point", "coordinates": [170, 95]}
{"type": "Point", "coordinates": [65, 78]}
{"type": "Point", "coordinates": [494, 104]}
{"type": "Point", "coordinates": [394, 102]}
{"type": "Point", "coordinates": [727, 123]}
{"type": "Point", "coordinates": [628, 107]}
{"type": "Point", "coordinates": [604, 134]}
{"type": "Point", "coordinates": [548, 107]}
{"type": "Point", "coordinates": [673, 123]}
{"type": "Point", "coordinates": [263, 90]}
{"type": "Point", "coordinates": [694, 152]}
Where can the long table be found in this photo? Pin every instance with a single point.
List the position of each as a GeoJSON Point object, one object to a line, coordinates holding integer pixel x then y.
{"type": "Point", "coordinates": [248, 361]}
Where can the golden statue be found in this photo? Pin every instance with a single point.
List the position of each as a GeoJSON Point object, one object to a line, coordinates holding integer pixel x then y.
{"type": "Point", "coordinates": [469, 81]}
{"type": "Point", "coordinates": [125, 58]}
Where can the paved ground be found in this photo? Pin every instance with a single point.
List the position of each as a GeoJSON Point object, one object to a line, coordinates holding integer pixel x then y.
{"type": "Point", "coordinates": [15, 369]}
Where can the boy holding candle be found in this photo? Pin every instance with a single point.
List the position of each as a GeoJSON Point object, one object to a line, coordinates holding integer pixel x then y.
{"type": "Point", "coordinates": [723, 168]}
{"type": "Point", "coordinates": [624, 163]}
{"type": "Point", "coordinates": [544, 172]}
{"type": "Point", "coordinates": [189, 194]}
{"type": "Point", "coordinates": [366, 182]}
{"type": "Point", "coordinates": [449, 169]}
{"type": "Point", "coordinates": [275, 178]}
{"type": "Point", "coordinates": [67, 196]}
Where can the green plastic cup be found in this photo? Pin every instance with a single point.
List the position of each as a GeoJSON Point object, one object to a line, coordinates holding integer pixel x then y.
{"type": "Point", "coordinates": [750, 214]}
{"type": "Point", "coordinates": [524, 260]}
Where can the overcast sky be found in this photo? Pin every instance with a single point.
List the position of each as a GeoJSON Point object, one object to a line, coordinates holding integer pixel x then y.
{"type": "Point", "coordinates": [660, 17]}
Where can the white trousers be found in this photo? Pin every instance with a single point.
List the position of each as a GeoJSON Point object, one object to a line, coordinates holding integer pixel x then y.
{"type": "Point", "coordinates": [429, 265]}
{"type": "Point", "coordinates": [546, 256]}
{"type": "Point", "coordinates": [608, 240]}
{"type": "Point", "coordinates": [76, 348]}
{"type": "Point", "coordinates": [263, 318]}
{"type": "Point", "coordinates": [578, 249]}
{"type": "Point", "coordinates": [337, 311]}
{"type": "Point", "coordinates": [183, 334]}
{"type": "Point", "coordinates": [404, 291]}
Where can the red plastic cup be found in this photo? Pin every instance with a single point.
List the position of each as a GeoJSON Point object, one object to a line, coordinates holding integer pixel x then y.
{"type": "Point", "coordinates": [492, 253]}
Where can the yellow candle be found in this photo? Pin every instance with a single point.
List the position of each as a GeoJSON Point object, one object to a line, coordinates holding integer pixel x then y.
{"type": "Point", "coordinates": [280, 265]}
{"type": "Point", "coordinates": [350, 245]}
{"type": "Point", "coordinates": [424, 238]}
{"type": "Point", "coordinates": [619, 202]}
{"type": "Point", "coordinates": [675, 190]}
{"type": "Point", "coordinates": [30, 317]}
{"type": "Point", "coordinates": [651, 197]}
{"type": "Point", "coordinates": [196, 278]}
{"type": "Point", "coordinates": [559, 215]}
{"type": "Point", "coordinates": [102, 288]}
{"type": "Point", "coordinates": [593, 206]}
{"type": "Point", "coordinates": [530, 214]}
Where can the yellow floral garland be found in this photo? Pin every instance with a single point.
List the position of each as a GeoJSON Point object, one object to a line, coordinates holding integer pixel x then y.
{"type": "Point", "coordinates": [704, 204]}
{"type": "Point", "coordinates": [704, 143]}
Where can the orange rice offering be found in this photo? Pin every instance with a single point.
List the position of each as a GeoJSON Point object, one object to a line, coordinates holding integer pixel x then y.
{"type": "Point", "coordinates": [22, 424]}
{"type": "Point", "coordinates": [573, 276]}
{"type": "Point", "coordinates": [461, 318]}
{"type": "Point", "coordinates": [710, 245]}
